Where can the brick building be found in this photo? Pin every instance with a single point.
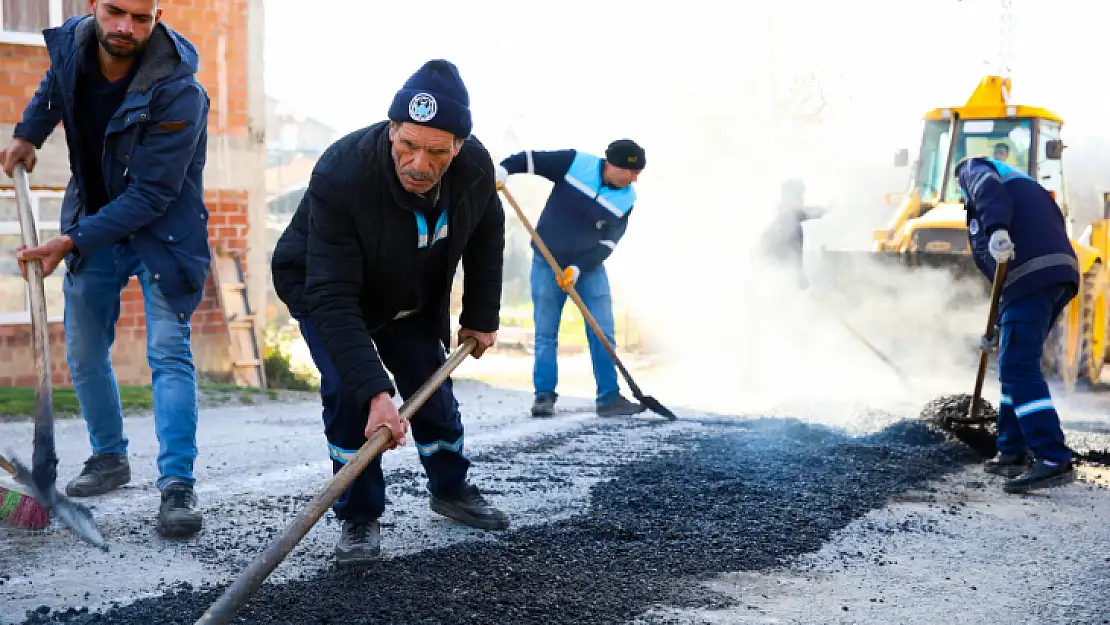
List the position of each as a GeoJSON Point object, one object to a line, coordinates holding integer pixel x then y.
{"type": "Point", "coordinates": [228, 36]}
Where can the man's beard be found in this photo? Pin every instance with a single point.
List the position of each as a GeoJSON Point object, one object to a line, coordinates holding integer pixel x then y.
{"type": "Point", "coordinates": [106, 43]}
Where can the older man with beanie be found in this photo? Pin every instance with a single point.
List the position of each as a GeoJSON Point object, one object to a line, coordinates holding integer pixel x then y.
{"type": "Point", "coordinates": [585, 216]}
{"type": "Point", "coordinates": [1011, 218]}
{"type": "Point", "coordinates": [366, 267]}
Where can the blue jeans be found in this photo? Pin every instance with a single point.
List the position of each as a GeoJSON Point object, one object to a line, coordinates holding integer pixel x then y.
{"type": "Point", "coordinates": [92, 307]}
{"type": "Point", "coordinates": [1027, 419]}
{"type": "Point", "coordinates": [548, 299]}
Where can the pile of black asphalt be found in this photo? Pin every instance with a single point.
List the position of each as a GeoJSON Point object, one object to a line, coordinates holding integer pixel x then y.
{"type": "Point", "coordinates": [949, 413]}
{"type": "Point", "coordinates": [737, 495]}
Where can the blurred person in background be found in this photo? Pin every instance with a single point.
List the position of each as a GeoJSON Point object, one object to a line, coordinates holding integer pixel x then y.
{"type": "Point", "coordinates": [783, 241]}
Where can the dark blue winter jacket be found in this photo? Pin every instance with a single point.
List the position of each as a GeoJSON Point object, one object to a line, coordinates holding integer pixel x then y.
{"type": "Point", "coordinates": [584, 218]}
{"type": "Point", "coordinates": [997, 196]}
{"type": "Point", "coordinates": [154, 154]}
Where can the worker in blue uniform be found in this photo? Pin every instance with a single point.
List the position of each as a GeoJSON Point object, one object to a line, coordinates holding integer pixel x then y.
{"type": "Point", "coordinates": [586, 215]}
{"type": "Point", "coordinates": [1011, 218]}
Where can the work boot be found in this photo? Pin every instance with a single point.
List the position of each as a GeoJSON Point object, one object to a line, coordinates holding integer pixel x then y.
{"type": "Point", "coordinates": [619, 407]}
{"type": "Point", "coordinates": [102, 473]}
{"type": "Point", "coordinates": [469, 507]}
{"type": "Point", "coordinates": [1042, 475]}
{"type": "Point", "coordinates": [543, 407]}
{"type": "Point", "coordinates": [178, 516]}
{"type": "Point", "coordinates": [359, 542]}
{"type": "Point", "coordinates": [1009, 465]}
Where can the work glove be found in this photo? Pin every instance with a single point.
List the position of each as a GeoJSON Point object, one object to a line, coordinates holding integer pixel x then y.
{"type": "Point", "coordinates": [991, 344]}
{"type": "Point", "coordinates": [501, 175]}
{"type": "Point", "coordinates": [1000, 246]}
{"type": "Point", "coordinates": [569, 277]}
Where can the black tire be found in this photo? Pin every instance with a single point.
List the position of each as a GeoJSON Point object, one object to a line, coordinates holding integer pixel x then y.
{"type": "Point", "coordinates": [1091, 354]}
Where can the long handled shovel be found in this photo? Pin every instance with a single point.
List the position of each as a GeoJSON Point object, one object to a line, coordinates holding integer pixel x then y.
{"type": "Point", "coordinates": [44, 460]}
{"type": "Point", "coordinates": [984, 355]}
{"type": "Point", "coordinates": [236, 595]}
{"type": "Point", "coordinates": [646, 400]}
{"type": "Point", "coordinates": [876, 351]}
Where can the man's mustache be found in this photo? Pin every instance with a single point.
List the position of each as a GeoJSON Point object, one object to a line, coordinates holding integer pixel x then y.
{"type": "Point", "coordinates": [418, 175]}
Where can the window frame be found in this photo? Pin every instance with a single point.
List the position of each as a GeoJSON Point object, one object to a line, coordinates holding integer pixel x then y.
{"type": "Point", "coordinates": [18, 38]}
{"type": "Point", "coordinates": [12, 227]}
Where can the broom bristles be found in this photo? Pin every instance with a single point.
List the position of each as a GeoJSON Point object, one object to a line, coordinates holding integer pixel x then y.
{"type": "Point", "coordinates": [22, 511]}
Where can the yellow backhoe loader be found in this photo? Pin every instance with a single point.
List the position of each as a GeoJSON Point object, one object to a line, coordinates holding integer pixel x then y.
{"type": "Point", "coordinates": [928, 227]}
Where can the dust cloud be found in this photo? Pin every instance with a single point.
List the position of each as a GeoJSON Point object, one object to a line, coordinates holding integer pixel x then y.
{"type": "Point", "coordinates": [745, 335]}
{"type": "Point", "coordinates": [736, 329]}
{"type": "Point", "coordinates": [727, 110]}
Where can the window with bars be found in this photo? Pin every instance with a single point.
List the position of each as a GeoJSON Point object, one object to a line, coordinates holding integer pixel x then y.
{"type": "Point", "coordinates": [15, 306]}
{"type": "Point", "coordinates": [22, 21]}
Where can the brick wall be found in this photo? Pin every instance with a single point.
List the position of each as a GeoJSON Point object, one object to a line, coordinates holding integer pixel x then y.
{"type": "Point", "coordinates": [22, 67]}
{"type": "Point", "coordinates": [218, 28]}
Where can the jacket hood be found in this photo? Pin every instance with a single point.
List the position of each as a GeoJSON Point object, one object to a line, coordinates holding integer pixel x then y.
{"type": "Point", "coordinates": [168, 54]}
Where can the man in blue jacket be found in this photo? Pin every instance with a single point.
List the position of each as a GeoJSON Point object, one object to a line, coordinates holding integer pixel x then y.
{"type": "Point", "coordinates": [585, 217]}
{"type": "Point", "coordinates": [1013, 219]}
{"type": "Point", "coordinates": [124, 86]}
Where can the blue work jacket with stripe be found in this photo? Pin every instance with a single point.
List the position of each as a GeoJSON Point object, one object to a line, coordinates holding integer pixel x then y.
{"type": "Point", "coordinates": [584, 218]}
{"type": "Point", "coordinates": [155, 149]}
{"type": "Point", "coordinates": [997, 196]}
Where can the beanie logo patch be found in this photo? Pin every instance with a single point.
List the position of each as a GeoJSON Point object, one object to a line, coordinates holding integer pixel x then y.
{"type": "Point", "coordinates": [422, 107]}
{"type": "Point", "coordinates": [632, 160]}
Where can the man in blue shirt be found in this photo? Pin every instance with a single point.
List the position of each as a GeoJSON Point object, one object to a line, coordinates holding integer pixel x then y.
{"type": "Point", "coordinates": [585, 217]}
{"type": "Point", "coordinates": [1011, 218]}
{"type": "Point", "coordinates": [124, 87]}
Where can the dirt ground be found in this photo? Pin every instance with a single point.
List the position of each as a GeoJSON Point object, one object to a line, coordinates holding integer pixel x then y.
{"type": "Point", "coordinates": [836, 511]}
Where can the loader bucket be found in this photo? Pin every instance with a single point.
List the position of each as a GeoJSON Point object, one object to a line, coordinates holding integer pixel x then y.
{"type": "Point", "coordinates": [856, 274]}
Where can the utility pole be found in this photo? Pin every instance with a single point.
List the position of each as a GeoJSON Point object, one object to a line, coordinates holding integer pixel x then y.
{"type": "Point", "coordinates": [1005, 39]}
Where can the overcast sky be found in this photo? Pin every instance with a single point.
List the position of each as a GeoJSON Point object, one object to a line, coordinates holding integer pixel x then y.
{"type": "Point", "coordinates": [589, 66]}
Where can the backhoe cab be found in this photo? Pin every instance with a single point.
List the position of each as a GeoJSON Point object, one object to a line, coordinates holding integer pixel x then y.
{"type": "Point", "coordinates": [929, 226]}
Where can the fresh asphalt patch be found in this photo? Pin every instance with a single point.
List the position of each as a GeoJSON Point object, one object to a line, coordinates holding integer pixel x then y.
{"type": "Point", "coordinates": [735, 496]}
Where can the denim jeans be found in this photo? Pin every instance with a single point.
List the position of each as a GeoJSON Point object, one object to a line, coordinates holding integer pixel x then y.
{"type": "Point", "coordinates": [548, 299]}
{"type": "Point", "coordinates": [92, 308]}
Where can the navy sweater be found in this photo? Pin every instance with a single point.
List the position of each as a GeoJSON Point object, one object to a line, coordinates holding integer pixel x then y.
{"type": "Point", "coordinates": [998, 196]}
{"type": "Point", "coordinates": [584, 218]}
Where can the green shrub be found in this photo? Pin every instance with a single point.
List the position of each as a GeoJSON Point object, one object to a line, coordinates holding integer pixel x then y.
{"type": "Point", "coordinates": [280, 374]}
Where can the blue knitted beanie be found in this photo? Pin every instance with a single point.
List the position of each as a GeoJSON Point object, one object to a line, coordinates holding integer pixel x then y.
{"type": "Point", "coordinates": [434, 96]}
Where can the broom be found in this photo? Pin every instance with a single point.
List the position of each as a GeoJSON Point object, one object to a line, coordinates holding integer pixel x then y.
{"type": "Point", "coordinates": [19, 509]}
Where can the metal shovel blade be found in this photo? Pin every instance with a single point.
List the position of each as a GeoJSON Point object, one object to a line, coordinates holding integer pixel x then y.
{"type": "Point", "coordinates": [653, 405]}
{"type": "Point", "coordinates": [75, 516]}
